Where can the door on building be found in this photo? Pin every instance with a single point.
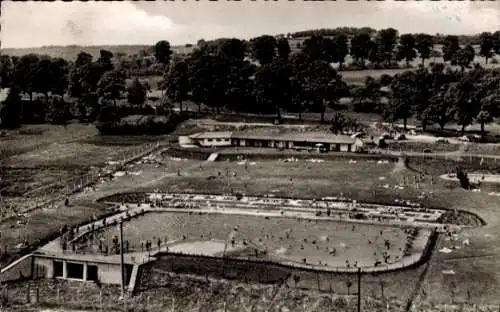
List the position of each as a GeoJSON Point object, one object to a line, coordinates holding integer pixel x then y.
{"type": "Point", "coordinates": [92, 274]}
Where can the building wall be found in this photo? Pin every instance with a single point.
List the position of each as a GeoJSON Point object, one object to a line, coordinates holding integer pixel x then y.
{"type": "Point", "coordinates": [108, 273]}
{"type": "Point", "coordinates": [23, 267]}
{"type": "Point", "coordinates": [344, 147]}
{"type": "Point", "coordinates": [358, 145]}
{"type": "Point", "coordinates": [215, 142]}
{"type": "Point", "coordinates": [185, 140]}
{"type": "Point", "coordinates": [45, 265]}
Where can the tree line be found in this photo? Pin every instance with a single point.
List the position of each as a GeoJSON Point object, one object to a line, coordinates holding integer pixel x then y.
{"type": "Point", "coordinates": [435, 95]}
{"type": "Point", "coordinates": [351, 32]}
{"type": "Point", "coordinates": [261, 75]}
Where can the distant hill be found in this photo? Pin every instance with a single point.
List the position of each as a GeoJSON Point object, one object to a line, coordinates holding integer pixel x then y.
{"type": "Point", "coordinates": [70, 52]}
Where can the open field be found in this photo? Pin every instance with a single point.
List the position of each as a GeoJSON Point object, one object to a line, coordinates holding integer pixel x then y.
{"type": "Point", "coordinates": [362, 180]}
{"type": "Point", "coordinates": [33, 137]}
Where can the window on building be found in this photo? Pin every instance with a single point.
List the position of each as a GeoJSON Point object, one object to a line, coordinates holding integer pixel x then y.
{"type": "Point", "coordinates": [58, 269]}
{"type": "Point", "coordinates": [75, 270]}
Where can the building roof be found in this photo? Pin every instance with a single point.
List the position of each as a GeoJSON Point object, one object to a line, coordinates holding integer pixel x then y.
{"type": "Point", "coordinates": [277, 135]}
{"type": "Point", "coordinates": [310, 137]}
{"type": "Point", "coordinates": [212, 135]}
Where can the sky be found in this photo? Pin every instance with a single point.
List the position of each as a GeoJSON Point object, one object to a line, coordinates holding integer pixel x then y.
{"type": "Point", "coordinates": [34, 24]}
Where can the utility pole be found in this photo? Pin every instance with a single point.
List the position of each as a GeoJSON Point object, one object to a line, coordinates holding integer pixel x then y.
{"type": "Point", "coordinates": [359, 289]}
{"type": "Point", "coordinates": [121, 260]}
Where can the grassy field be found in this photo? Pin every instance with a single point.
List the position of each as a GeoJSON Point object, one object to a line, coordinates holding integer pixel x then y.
{"type": "Point", "coordinates": [39, 170]}
{"type": "Point", "coordinates": [33, 137]}
{"type": "Point", "coordinates": [364, 180]}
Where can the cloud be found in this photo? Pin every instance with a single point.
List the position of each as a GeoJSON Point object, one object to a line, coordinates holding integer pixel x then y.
{"type": "Point", "coordinates": [30, 24]}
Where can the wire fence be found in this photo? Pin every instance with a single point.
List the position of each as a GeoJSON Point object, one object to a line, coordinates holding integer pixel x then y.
{"type": "Point", "coordinates": [278, 297]}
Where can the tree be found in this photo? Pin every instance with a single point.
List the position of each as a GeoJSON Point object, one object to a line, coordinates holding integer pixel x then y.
{"type": "Point", "coordinates": [82, 59]}
{"type": "Point", "coordinates": [464, 57]}
{"type": "Point", "coordinates": [283, 47]}
{"type": "Point", "coordinates": [424, 44]}
{"type": "Point", "coordinates": [488, 95]}
{"type": "Point", "coordinates": [10, 112]}
{"type": "Point", "coordinates": [360, 48]}
{"type": "Point", "coordinates": [341, 43]}
{"type": "Point", "coordinates": [59, 73]}
{"type": "Point", "coordinates": [366, 98]}
{"type": "Point", "coordinates": [58, 111]}
{"type": "Point", "coordinates": [406, 48]}
{"type": "Point", "coordinates": [496, 42]}
{"type": "Point", "coordinates": [318, 48]}
{"type": "Point", "coordinates": [386, 41]}
{"type": "Point", "coordinates": [163, 52]}
{"type": "Point", "coordinates": [460, 95]}
{"type": "Point", "coordinates": [239, 89]}
{"type": "Point", "coordinates": [177, 82]}
{"type": "Point", "coordinates": [232, 49]}
{"type": "Point", "coordinates": [424, 89]}
{"type": "Point", "coordinates": [272, 87]}
{"type": "Point", "coordinates": [322, 84]}
{"type": "Point", "coordinates": [79, 77]}
{"type": "Point", "coordinates": [104, 62]}
{"type": "Point", "coordinates": [486, 46]}
{"type": "Point", "coordinates": [24, 73]}
{"type": "Point", "coordinates": [338, 122]}
{"type": "Point", "coordinates": [111, 86]}
{"type": "Point", "coordinates": [208, 77]}
{"type": "Point", "coordinates": [490, 106]}
{"type": "Point", "coordinates": [450, 47]}
{"type": "Point", "coordinates": [263, 49]}
{"type": "Point", "coordinates": [440, 110]}
{"type": "Point", "coordinates": [136, 93]}
{"type": "Point", "coordinates": [51, 75]}
{"type": "Point", "coordinates": [375, 55]}
{"type": "Point", "coordinates": [403, 97]}
{"type": "Point", "coordinates": [297, 96]}
{"type": "Point", "coordinates": [6, 71]}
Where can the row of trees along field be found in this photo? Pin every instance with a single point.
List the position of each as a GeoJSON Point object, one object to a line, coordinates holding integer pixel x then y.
{"type": "Point", "coordinates": [434, 96]}
{"type": "Point", "coordinates": [259, 76]}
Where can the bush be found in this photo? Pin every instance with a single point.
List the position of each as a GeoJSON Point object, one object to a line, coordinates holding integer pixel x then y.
{"type": "Point", "coordinates": [463, 178]}
{"type": "Point", "coordinates": [366, 107]}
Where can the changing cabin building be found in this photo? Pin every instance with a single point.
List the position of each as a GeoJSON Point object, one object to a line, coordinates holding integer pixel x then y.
{"type": "Point", "coordinates": [301, 140]}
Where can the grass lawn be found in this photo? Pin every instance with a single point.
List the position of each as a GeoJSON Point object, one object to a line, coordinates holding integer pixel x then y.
{"type": "Point", "coordinates": [361, 180]}
{"type": "Point", "coordinates": [31, 137]}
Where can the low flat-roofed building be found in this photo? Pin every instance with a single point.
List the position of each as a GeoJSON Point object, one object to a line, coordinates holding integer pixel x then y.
{"type": "Point", "coordinates": [300, 140]}
{"type": "Point", "coordinates": [215, 138]}
{"type": "Point", "coordinates": [274, 138]}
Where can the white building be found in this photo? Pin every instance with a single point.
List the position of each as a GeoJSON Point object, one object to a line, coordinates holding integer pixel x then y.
{"type": "Point", "coordinates": [208, 139]}
{"type": "Point", "coordinates": [307, 140]}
